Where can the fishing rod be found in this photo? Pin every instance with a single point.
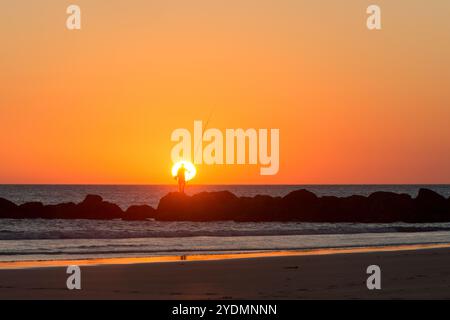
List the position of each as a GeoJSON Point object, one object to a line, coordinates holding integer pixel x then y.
{"type": "Point", "coordinates": [203, 129]}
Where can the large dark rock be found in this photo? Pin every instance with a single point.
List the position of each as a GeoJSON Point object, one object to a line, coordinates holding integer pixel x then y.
{"type": "Point", "coordinates": [141, 212]}
{"type": "Point", "coordinates": [390, 207]}
{"type": "Point", "coordinates": [257, 208]}
{"type": "Point", "coordinates": [431, 207]}
{"type": "Point", "coordinates": [92, 200]}
{"type": "Point", "coordinates": [329, 209]}
{"type": "Point", "coordinates": [8, 209]}
{"type": "Point", "coordinates": [62, 211]}
{"type": "Point", "coordinates": [174, 206]}
{"type": "Point", "coordinates": [205, 206]}
{"type": "Point", "coordinates": [93, 207]}
{"type": "Point", "coordinates": [354, 209]}
{"type": "Point", "coordinates": [299, 205]}
{"type": "Point", "coordinates": [32, 210]}
{"type": "Point", "coordinates": [300, 197]}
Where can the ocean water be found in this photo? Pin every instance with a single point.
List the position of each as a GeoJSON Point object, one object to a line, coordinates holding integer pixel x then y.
{"type": "Point", "coordinates": [71, 239]}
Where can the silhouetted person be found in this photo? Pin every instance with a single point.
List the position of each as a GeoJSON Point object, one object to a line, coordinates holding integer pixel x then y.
{"type": "Point", "coordinates": [181, 176]}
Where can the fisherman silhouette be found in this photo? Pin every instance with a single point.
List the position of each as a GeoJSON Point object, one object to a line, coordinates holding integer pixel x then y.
{"type": "Point", "coordinates": [181, 176]}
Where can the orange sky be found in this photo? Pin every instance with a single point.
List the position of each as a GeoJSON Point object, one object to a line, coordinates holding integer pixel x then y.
{"type": "Point", "coordinates": [99, 105]}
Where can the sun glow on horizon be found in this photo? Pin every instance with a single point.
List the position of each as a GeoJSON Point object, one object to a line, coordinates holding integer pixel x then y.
{"type": "Point", "coordinates": [190, 173]}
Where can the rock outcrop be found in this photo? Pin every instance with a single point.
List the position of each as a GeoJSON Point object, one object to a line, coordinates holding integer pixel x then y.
{"type": "Point", "coordinates": [299, 205]}
{"type": "Point", "coordinates": [303, 205]}
{"type": "Point", "coordinates": [92, 207]}
{"type": "Point", "coordinates": [141, 212]}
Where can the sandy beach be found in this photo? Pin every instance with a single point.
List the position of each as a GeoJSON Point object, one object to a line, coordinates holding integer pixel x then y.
{"type": "Point", "coordinates": [406, 273]}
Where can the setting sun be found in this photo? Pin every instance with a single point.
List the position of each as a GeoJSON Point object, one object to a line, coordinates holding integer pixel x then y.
{"type": "Point", "coordinates": [190, 173]}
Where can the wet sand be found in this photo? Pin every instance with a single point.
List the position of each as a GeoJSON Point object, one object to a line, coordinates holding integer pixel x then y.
{"type": "Point", "coordinates": [407, 272]}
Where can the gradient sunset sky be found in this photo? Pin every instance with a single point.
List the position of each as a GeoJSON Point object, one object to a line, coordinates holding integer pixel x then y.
{"type": "Point", "coordinates": [99, 105]}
